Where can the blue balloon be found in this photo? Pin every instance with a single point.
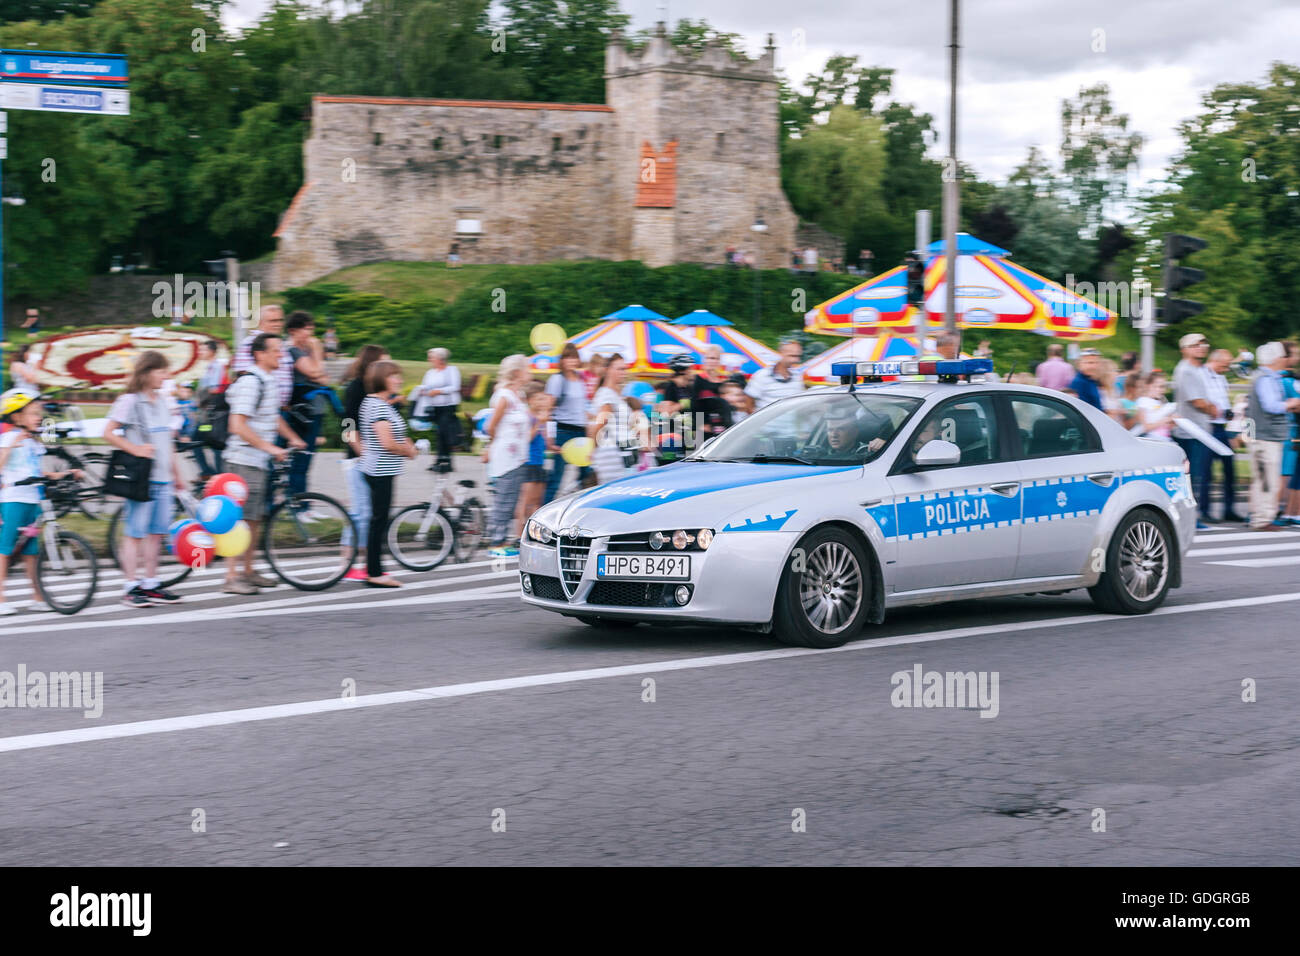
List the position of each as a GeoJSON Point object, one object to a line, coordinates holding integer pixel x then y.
{"type": "Point", "coordinates": [643, 392]}
{"type": "Point", "coordinates": [218, 514]}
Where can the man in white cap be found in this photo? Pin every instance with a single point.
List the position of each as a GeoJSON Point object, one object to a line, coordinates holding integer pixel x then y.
{"type": "Point", "coordinates": [1191, 393]}
{"type": "Point", "coordinates": [1267, 407]}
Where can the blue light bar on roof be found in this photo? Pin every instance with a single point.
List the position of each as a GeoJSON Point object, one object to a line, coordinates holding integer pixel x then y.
{"type": "Point", "coordinates": [848, 372]}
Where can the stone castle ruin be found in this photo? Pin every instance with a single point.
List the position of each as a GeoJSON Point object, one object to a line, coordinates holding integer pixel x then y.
{"type": "Point", "coordinates": [678, 165]}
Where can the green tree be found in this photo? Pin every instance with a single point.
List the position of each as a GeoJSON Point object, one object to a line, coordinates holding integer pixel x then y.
{"type": "Point", "coordinates": [1097, 152]}
{"type": "Point", "coordinates": [560, 47]}
{"type": "Point", "coordinates": [833, 172]}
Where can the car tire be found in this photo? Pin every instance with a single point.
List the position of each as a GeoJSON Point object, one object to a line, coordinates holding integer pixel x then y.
{"type": "Point", "coordinates": [1139, 565]}
{"type": "Point", "coordinates": [824, 595]}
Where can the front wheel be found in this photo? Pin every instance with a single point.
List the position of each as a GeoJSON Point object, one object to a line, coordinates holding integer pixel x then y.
{"type": "Point", "coordinates": [822, 600]}
{"type": "Point", "coordinates": [310, 541]}
{"type": "Point", "coordinates": [420, 537]}
{"type": "Point", "coordinates": [68, 573]}
{"type": "Point", "coordinates": [1138, 562]}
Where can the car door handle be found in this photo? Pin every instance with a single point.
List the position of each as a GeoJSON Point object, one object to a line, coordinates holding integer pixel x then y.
{"type": "Point", "coordinates": [1006, 489]}
{"type": "Point", "coordinates": [870, 502]}
{"type": "Point", "coordinates": [1103, 478]}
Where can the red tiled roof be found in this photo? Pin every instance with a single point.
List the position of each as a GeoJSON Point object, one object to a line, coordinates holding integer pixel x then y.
{"type": "Point", "coordinates": [491, 104]}
{"type": "Point", "coordinates": [291, 211]}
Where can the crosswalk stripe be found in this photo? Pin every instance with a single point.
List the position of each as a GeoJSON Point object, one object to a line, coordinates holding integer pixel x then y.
{"type": "Point", "coordinates": [1260, 562]}
{"type": "Point", "coordinates": [1244, 536]}
{"type": "Point", "coordinates": [1247, 549]}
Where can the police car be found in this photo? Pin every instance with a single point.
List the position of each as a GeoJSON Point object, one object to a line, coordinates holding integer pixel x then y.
{"type": "Point", "coordinates": [820, 512]}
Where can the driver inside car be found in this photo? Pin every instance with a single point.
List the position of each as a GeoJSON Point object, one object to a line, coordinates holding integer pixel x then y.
{"type": "Point", "coordinates": [846, 437]}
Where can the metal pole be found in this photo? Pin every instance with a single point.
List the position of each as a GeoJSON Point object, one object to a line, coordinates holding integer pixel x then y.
{"type": "Point", "coordinates": [922, 232]}
{"type": "Point", "coordinates": [1148, 333]}
{"type": "Point", "coordinates": [4, 151]}
{"type": "Point", "coordinates": [950, 194]}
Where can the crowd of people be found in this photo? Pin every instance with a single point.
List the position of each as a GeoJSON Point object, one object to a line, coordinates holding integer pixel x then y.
{"type": "Point", "coordinates": [1195, 403]}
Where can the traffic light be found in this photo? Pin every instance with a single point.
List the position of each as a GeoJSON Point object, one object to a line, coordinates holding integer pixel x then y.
{"type": "Point", "coordinates": [915, 280]}
{"type": "Point", "coordinates": [217, 267]}
{"type": "Point", "coordinates": [1176, 277]}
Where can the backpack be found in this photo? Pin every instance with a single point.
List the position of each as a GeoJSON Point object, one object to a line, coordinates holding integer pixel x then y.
{"type": "Point", "coordinates": [213, 418]}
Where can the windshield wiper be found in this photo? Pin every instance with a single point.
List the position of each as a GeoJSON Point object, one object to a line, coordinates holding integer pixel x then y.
{"type": "Point", "coordinates": [778, 459]}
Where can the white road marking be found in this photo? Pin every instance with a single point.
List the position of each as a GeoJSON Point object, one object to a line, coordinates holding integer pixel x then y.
{"type": "Point", "coordinates": [310, 602]}
{"type": "Point", "coordinates": [331, 705]}
{"type": "Point", "coordinates": [1244, 536]}
{"type": "Point", "coordinates": [1247, 549]}
{"type": "Point", "coordinates": [1260, 562]}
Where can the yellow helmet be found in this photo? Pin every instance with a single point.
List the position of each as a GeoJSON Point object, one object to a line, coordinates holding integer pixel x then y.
{"type": "Point", "coordinates": [15, 400]}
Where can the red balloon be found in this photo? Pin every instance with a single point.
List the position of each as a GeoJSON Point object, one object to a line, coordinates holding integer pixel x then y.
{"type": "Point", "coordinates": [228, 484]}
{"type": "Point", "coordinates": [195, 547]}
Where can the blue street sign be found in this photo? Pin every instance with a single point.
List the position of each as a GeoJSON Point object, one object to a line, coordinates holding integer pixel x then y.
{"type": "Point", "coordinates": [65, 99]}
{"type": "Point", "coordinates": [53, 66]}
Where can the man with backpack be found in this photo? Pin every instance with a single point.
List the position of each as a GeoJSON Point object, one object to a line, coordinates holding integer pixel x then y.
{"type": "Point", "coordinates": [255, 421]}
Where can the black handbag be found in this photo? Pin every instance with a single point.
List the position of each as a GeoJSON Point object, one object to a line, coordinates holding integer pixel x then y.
{"type": "Point", "coordinates": [128, 475]}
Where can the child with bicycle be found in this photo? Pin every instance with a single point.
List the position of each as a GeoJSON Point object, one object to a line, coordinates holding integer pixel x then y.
{"type": "Point", "coordinates": [21, 453]}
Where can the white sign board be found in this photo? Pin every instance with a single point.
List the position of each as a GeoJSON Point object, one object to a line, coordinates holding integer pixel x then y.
{"type": "Point", "coordinates": [65, 99]}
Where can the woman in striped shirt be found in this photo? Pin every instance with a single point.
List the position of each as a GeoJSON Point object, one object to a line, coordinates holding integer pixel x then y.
{"type": "Point", "coordinates": [384, 450]}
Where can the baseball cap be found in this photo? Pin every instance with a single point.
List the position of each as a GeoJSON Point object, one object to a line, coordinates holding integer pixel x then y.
{"type": "Point", "coordinates": [1192, 338]}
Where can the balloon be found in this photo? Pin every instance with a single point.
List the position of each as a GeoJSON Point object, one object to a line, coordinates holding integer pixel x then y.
{"type": "Point", "coordinates": [577, 451]}
{"type": "Point", "coordinates": [218, 514]}
{"type": "Point", "coordinates": [228, 484]}
{"type": "Point", "coordinates": [643, 392]}
{"type": "Point", "coordinates": [195, 547]}
{"type": "Point", "coordinates": [547, 338]}
{"type": "Point", "coordinates": [176, 528]}
{"type": "Point", "coordinates": [234, 542]}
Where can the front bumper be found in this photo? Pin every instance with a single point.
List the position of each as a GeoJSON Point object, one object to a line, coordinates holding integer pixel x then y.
{"type": "Point", "coordinates": [734, 582]}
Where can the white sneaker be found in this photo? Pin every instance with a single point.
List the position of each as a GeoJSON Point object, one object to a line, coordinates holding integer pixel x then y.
{"type": "Point", "coordinates": [7, 608]}
{"type": "Point", "coordinates": [38, 606]}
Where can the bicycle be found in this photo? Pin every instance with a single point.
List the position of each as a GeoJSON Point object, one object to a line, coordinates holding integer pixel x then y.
{"type": "Point", "coordinates": [67, 570]}
{"type": "Point", "coordinates": [420, 537]}
{"type": "Point", "coordinates": [296, 532]}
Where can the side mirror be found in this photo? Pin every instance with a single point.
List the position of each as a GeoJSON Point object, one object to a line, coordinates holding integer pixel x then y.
{"type": "Point", "coordinates": [937, 452]}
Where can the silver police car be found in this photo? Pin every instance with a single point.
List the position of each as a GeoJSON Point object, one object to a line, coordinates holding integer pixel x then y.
{"type": "Point", "coordinates": [821, 511]}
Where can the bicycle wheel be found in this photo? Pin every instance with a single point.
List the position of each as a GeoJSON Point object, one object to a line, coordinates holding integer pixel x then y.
{"type": "Point", "coordinates": [420, 537]}
{"type": "Point", "coordinates": [95, 465]}
{"type": "Point", "coordinates": [67, 576]}
{"type": "Point", "coordinates": [304, 541]}
{"type": "Point", "coordinates": [170, 570]}
{"type": "Point", "coordinates": [471, 525]}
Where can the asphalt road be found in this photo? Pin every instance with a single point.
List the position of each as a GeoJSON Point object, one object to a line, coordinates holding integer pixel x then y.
{"type": "Point", "coordinates": [225, 737]}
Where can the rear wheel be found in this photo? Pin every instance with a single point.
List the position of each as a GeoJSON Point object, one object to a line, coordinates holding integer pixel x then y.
{"type": "Point", "coordinates": [170, 570]}
{"type": "Point", "coordinates": [68, 574]}
{"type": "Point", "coordinates": [822, 600]}
{"type": "Point", "coordinates": [420, 537]}
{"type": "Point", "coordinates": [303, 540]}
{"type": "Point", "coordinates": [1138, 565]}
{"type": "Point", "coordinates": [470, 521]}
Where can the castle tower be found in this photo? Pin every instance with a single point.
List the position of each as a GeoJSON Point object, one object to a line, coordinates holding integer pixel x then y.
{"type": "Point", "coordinates": [699, 140]}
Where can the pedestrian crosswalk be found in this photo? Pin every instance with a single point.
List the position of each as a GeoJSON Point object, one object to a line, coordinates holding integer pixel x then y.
{"type": "Point", "coordinates": [1228, 546]}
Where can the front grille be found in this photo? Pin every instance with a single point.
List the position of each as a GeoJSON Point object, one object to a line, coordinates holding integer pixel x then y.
{"type": "Point", "coordinates": [547, 588]}
{"type": "Point", "coordinates": [627, 594]}
{"type": "Point", "coordinates": [573, 560]}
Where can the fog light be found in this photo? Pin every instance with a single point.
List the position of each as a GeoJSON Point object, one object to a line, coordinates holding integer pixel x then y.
{"type": "Point", "coordinates": [682, 594]}
{"type": "Point", "coordinates": [681, 539]}
{"type": "Point", "coordinates": [705, 538]}
{"type": "Point", "coordinates": [657, 540]}
{"type": "Point", "coordinates": [528, 584]}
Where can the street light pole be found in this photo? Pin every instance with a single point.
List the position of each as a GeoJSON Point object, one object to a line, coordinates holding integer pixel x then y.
{"type": "Point", "coordinates": [950, 193]}
{"type": "Point", "coordinates": [758, 228]}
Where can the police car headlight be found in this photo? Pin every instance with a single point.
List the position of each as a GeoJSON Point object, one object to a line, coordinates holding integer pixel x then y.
{"type": "Point", "coordinates": [658, 540]}
{"type": "Point", "coordinates": [681, 539]}
{"type": "Point", "coordinates": [704, 538]}
{"type": "Point", "coordinates": [539, 532]}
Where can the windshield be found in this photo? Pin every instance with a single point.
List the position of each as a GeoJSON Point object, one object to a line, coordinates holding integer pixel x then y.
{"type": "Point", "coordinates": [830, 428]}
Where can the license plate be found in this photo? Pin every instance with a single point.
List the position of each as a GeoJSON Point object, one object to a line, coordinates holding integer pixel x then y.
{"type": "Point", "coordinates": [644, 567]}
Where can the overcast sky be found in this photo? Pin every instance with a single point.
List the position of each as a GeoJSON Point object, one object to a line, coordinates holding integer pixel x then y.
{"type": "Point", "coordinates": [1019, 58]}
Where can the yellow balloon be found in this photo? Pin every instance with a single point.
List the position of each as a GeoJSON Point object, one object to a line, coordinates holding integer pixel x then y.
{"type": "Point", "coordinates": [577, 451]}
{"type": "Point", "coordinates": [547, 339]}
{"type": "Point", "coordinates": [234, 542]}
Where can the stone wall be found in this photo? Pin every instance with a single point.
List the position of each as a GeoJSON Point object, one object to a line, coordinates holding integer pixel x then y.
{"type": "Point", "coordinates": [388, 178]}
